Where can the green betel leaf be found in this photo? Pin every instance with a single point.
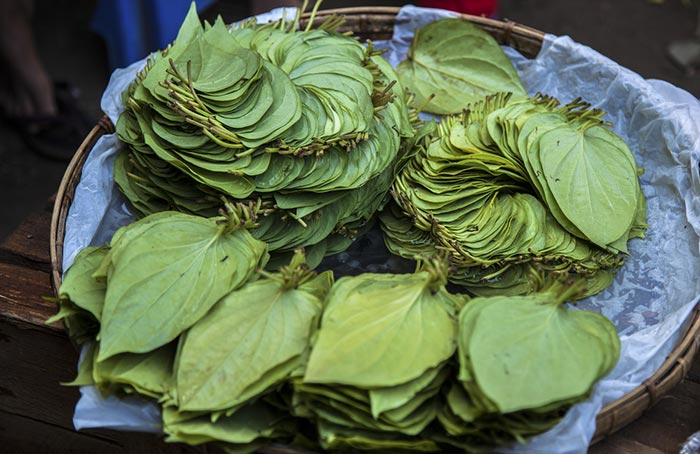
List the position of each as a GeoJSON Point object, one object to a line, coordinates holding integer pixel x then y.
{"type": "Point", "coordinates": [529, 352]}
{"type": "Point", "coordinates": [592, 175]}
{"type": "Point", "coordinates": [190, 28]}
{"type": "Point", "coordinates": [339, 438]}
{"type": "Point", "coordinates": [85, 366]}
{"type": "Point", "coordinates": [251, 423]}
{"type": "Point", "coordinates": [268, 328]}
{"type": "Point", "coordinates": [78, 284]}
{"type": "Point", "coordinates": [458, 63]}
{"type": "Point", "coordinates": [382, 330]}
{"type": "Point", "coordinates": [165, 279]}
{"type": "Point", "coordinates": [146, 373]}
{"type": "Point", "coordinates": [385, 399]}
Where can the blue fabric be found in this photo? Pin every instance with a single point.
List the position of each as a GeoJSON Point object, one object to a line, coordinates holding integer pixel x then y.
{"type": "Point", "coordinates": [134, 28]}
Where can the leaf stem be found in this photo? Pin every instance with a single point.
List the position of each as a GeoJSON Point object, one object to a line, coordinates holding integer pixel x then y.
{"type": "Point", "coordinates": [237, 216]}
{"type": "Point", "coordinates": [437, 266]}
{"type": "Point", "coordinates": [293, 275]}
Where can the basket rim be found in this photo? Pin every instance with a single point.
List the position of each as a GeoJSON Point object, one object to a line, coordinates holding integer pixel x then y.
{"type": "Point", "coordinates": [394, 10]}
{"type": "Point", "coordinates": [511, 33]}
{"type": "Point", "coordinates": [64, 198]}
{"type": "Point", "coordinates": [609, 419]}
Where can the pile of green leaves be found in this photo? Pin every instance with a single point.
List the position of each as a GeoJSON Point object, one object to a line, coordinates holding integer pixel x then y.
{"type": "Point", "coordinates": [375, 362]}
{"type": "Point", "coordinates": [221, 387]}
{"type": "Point", "coordinates": [158, 277]}
{"type": "Point", "coordinates": [522, 362]}
{"type": "Point", "coordinates": [517, 191]}
{"type": "Point", "coordinates": [155, 310]}
{"type": "Point", "coordinates": [380, 360]}
{"type": "Point", "coordinates": [308, 122]}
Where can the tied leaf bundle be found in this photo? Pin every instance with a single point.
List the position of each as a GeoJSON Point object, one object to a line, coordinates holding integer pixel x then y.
{"type": "Point", "coordinates": [523, 361]}
{"type": "Point", "coordinates": [518, 191]}
{"type": "Point", "coordinates": [309, 122]}
{"type": "Point", "coordinates": [158, 277]}
{"type": "Point", "coordinates": [380, 359]}
{"type": "Point", "coordinates": [221, 376]}
{"type": "Point", "coordinates": [231, 393]}
{"type": "Point", "coordinates": [222, 388]}
{"type": "Point", "coordinates": [165, 272]}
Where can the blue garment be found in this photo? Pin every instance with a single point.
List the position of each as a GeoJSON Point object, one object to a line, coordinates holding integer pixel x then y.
{"type": "Point", "coordinates": [134, 28]}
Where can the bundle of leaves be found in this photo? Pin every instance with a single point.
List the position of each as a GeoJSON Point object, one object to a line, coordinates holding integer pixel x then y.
{"type": "Point", "coordinates": [308, 122]}
{"type": "Point", "coordinates": [219, 389]}
{"type": "Point", "coordinates": [158, 277]}
{"type": "Point", "coordinates": [380, 360]}
{"type": "Point", "coordinates": [523, 361]}
{"type": "Point", "coordinates": [517, 191]}
{"type": "Point", "coordinates": [130, 301]}
{"type": "Point", "coordinates": [151, 337]}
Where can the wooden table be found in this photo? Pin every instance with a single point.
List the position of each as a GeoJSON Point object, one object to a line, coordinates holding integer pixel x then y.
{"type": "Point", "coordinates": [36, 411]}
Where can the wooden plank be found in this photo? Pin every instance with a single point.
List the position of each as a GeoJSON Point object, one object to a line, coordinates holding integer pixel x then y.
{"type": "Point", "coordinates": [28, 244]}
{"type": "Point", "coordinates": [621, 445]}
{"type": "Point", "coordinates": [22, 435]}
{"type": "Point", "coordinates": [34, 363]}
{"type": "Point", "coordinates": [32, 400]}
{"type": "Point", "coordinates": [24, 272]}
{"type": "Point", "coordinates": [21, 296]}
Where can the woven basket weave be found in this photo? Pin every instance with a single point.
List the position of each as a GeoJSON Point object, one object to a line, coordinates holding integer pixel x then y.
{"type": "Point", "coordinates": [377, 23]}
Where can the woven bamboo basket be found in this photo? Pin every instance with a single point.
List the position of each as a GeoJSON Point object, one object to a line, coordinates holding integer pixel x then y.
{"type": "Point", "coordinates": [377, 23]}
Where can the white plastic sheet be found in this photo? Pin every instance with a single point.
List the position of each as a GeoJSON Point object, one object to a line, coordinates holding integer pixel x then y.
{"type": "Point", "coordinates": [652, 295]}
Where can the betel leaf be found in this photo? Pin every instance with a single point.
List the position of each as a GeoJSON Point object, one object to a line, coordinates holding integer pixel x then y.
{"type": "Point", "coordinates": [78, 284]}
{"type": "Point", "coordinates": [386, 399]}
{"type": "Point", "coordinates": [269, 326]}
{"type": "Point", "coordinates": [593, 177]}
{"type": "Point", "coordinates": [338, 438]}
{"type": "Point", "coordinates": [165, 279]}
{"type": "Point", "coordinates": [383, 330]}
{"type": "Point", "coordinates": [458, 63]}
{"type": "Point", "coordinates": [147, 374]}
{"type": "Point", "coordinates": [85, 366]}
{"type": "Point", "coordinates": [528, 352]}
{"type": "Point", "coordinates": [81, 296]}
{"type": "Point", "coordinates": [256, 422]}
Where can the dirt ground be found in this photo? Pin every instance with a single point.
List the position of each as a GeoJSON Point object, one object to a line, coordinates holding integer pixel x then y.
{"type": "Point", "coordinates": [635, 33]}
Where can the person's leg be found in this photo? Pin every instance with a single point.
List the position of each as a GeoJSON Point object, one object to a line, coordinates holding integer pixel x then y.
{"type": "Point", "coordinates": [28, 89]}
{"type": "Point", "coordinates": [45, 114]}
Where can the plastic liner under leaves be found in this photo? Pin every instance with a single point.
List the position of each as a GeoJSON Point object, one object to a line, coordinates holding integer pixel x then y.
{"type": "Point", "coordinates": [652, 295]}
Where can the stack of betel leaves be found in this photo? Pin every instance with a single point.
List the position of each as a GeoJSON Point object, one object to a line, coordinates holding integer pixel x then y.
{"type": "Point", "coordinates": [176, 309]}
{"type": "Point", "coordinates": [264, 143]}
{"type": "Point", "coordinates": [522, 362]}
{"type": "Point", "coordinates": [380, 360]}
{"type": "Point", "coordinates": [515, 188]}
{"type": "Point", "coordinates": [308, 122]}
